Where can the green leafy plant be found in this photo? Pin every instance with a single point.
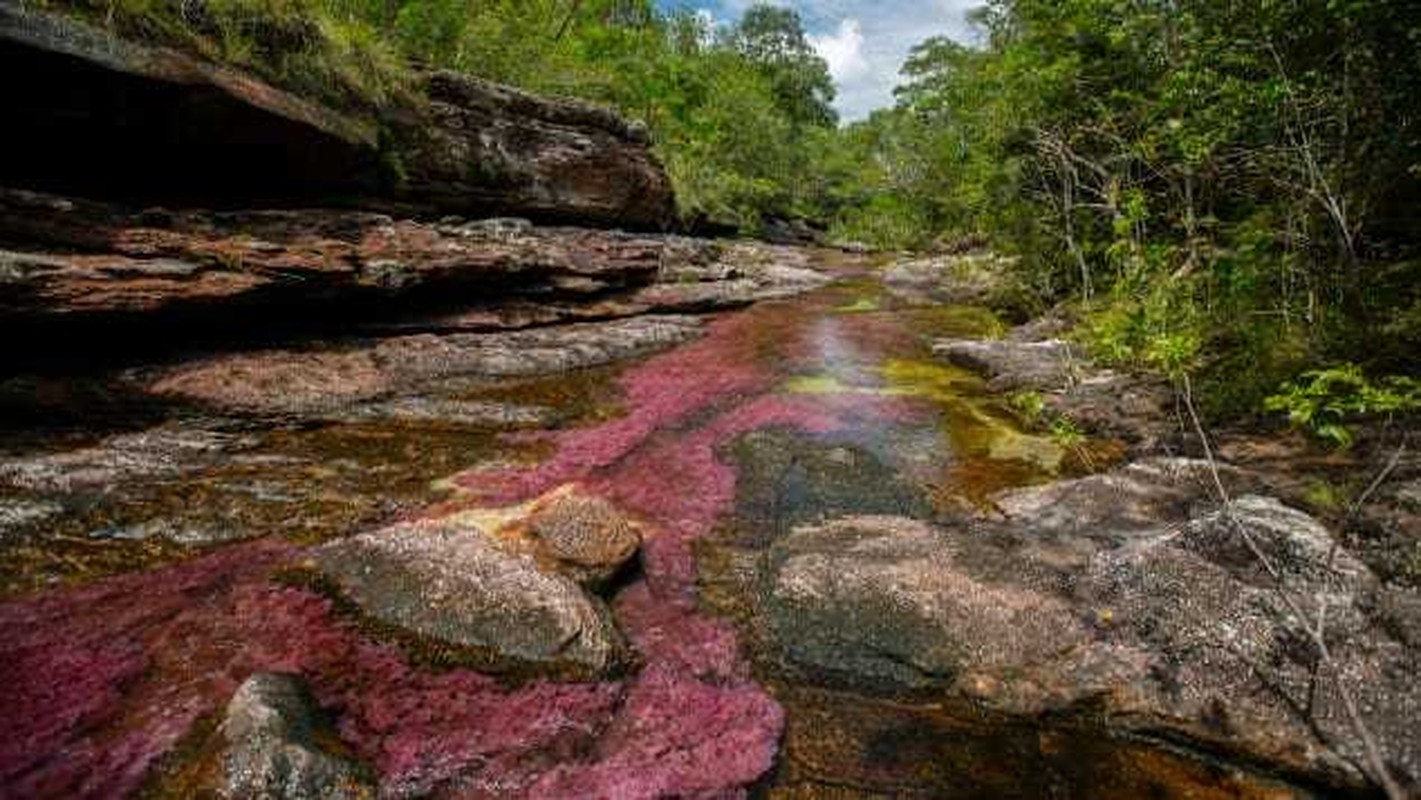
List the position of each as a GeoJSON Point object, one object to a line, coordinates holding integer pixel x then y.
{"type": "Point", "coordinates": [1324, 402]}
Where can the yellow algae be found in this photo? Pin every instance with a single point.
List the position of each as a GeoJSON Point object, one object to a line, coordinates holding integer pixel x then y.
{"type": "Point", "coordinates": [970, 422]}
{"type": "Point", "coordinates": [859, 306]}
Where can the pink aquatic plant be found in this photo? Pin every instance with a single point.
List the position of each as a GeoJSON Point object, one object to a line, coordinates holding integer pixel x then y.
{"type": "Point", "coordinates": [100, 682]}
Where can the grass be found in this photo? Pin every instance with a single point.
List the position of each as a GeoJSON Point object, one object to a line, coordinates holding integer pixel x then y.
{"type": "Point", "coordinates": [315, 48]}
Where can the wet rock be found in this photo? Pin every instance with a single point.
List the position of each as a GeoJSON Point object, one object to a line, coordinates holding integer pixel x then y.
{"type": "Point", "coordinates": [314, 381]}
{"type": "Point", "coordinates": [177, 532]}
{"type": "Point", "coordinates": [1131, 500]}
{"type": "Point", "coordinates": [450, 586]}
{"type": "Point", "coordinates": [449, 411]}
{"type": "Point", "coordinates": [884, 601]}
{"type": "Point", "coordinates": [589, 537]}
{"type": "Point", "coordinates": [156, 453]}
{"type": "Point", "coordinates": [16, 513]}
{"type": "Point", "coordinates": [271, 735]}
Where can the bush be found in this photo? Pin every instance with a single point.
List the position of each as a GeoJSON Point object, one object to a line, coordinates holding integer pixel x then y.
{"type": "Point", "coordinates": [1323, 402]}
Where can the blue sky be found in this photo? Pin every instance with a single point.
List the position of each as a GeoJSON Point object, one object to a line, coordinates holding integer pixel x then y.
{"type": "Point", "coordinates": [864, 41]}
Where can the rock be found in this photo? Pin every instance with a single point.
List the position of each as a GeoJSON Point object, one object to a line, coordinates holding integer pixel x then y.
{"type": "Point", "coordinates": [1050, 365]}
{"type": "Point", "coordinates": [16, 513]}
{"type": "Point", "coordinates": [449, 586]}
{"type": "Point", "coordinates": [1138, 410]}
{"type": "Point", "coordinates": [87, 258]}
{"type": "Point", "coordinates": [104, 116]}
{"type": "Point", "coordinates": [1126, 502]}
{"type": "Point", "coordinates": [970, 279]}
{"type": "Point", "coordinates": [1128, 594]}
{"type": "Point", "coordinates": [271, 747]}
{"type": "Point", "coordinates": [449, 411]}
{"type": "Point", "coordinates": [161, 452]}
{"type": "Point", "coordinates": [791, 232]}
{"type": "Point", "coordinates": [323, 381]}
{"type": "Point", "coordinates": [589, 538]}
{"type": "Point", "coordinates": [480, 147]}
{"type": "Point", "coordinates": [884, 601]}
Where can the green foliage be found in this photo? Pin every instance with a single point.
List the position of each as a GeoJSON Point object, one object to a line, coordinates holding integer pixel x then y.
{"type": "Point", "coordinates": [1029, 406]}
{"type": "Point", "coordinates": [319, 48]}
{"type": "Point", "coordinates": [1324, 401]}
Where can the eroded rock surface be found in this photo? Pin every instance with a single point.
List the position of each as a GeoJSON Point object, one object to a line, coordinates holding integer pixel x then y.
{"type": "Point", "coordinates": [322, 380]}
{"type": "Point", "coordinates": [1131, 592]}
{"type": "Point", "coordinates": [448, 583]}
{"type": "Point", "coordinates": [270, 747]}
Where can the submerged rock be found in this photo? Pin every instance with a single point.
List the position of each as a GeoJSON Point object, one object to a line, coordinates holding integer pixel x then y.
{"type": "Point", "coordinates": [451, 588]}
{"type": "Point", "coordinates": [271, 749]}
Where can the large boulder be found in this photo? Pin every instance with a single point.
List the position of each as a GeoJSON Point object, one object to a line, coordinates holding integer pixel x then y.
{"type": "Point", "coordinates": [482, 148]}
{"type": "Point", "coordinates": [1131, 595]}
{"type": "Point", "coordinates": [447, 587]}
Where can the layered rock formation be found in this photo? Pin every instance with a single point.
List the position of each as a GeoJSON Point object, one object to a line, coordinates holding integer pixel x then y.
{"type": "Point", "coordinates": [102, 116]}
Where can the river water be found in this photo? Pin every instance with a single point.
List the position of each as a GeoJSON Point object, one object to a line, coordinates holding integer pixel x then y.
{"type": "Point", "coordinates": [120, 649]}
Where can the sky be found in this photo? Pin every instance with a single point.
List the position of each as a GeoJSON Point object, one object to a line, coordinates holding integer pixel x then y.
{"type": "Point", "coordinates": [864, 41]}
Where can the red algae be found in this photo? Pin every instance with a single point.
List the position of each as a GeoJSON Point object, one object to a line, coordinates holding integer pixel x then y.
{"type": "Point", "coordinates": [99, 683]}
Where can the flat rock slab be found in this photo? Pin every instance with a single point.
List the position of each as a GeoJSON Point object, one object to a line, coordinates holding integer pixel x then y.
{"type": "Point", "coordinates": [450, 587]}
{"type": "Point", "coordinates": [321, 381]}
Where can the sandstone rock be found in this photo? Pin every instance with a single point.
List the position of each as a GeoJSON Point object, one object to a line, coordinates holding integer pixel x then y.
{"type": "Point", "coordinates": [449, 411]}
{"type": "Point", "coordinates": [271, 748]}
{"type": "Point", "coordinates": [480, 147]}
{"type": "Point", "coordinates": [322, 381]}
{"type": "Point", "coordinates": [960, 279]}
{"type": "Point", "coordinates": [92, 258]}
{"type": "Point", "coordinates": [1137, 410]}
{"type": "Point", "coordinates": [160, 452]}
{"type": "Point", "coordinates": [1126, 593]}
{"type": "Point", "coordinates": [883, 600]}
{"type": "Point", "coordinates": [16, 513]}
{"type": "Point", "coordinates": [1050, 365]}
{"type": "Point", "coordinates": [586, 535]}
{"type": "Point", "coordinates": [450, 586]}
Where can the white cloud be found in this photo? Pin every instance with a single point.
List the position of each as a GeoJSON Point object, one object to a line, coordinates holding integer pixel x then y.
{"type": "Point", "coordinates": [864, 41]}
{"type": "Point", "coordinates": [843, 51]}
